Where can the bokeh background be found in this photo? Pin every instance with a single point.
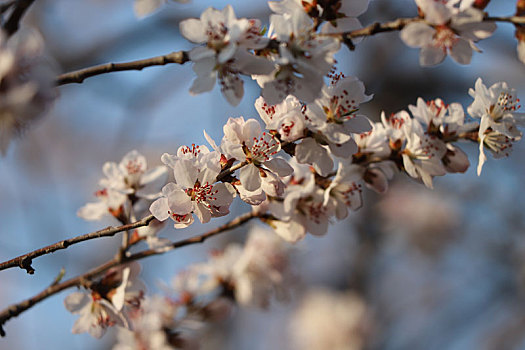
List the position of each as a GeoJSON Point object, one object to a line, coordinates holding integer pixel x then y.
{"type": "Point", "coordinates": [441, 269]}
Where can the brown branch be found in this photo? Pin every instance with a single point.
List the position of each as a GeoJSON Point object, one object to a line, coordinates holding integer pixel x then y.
{"type": "Point", "coordinates": [7, 5]}
{"type": "Point", "coordinates": [400, 23]}
{"type": "Point", "coordinates": [238, 221]}
{"type": "Point", "coordinates": [12, 24]}
{"type": "Point", "coordinates": [182, 57]}
{"type": "Point", "coordinates": [376, 28]}
{"type": "Point", "coordinates": [24, 261]}
{"type": "Point", "coordinates": [78, 76]}
{"type": "Point", "coordinates": [512, 19]}
{"type": "Point", "coordinates": [16, 309]}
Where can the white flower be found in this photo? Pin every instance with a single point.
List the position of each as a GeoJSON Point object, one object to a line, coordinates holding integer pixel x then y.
{"type": "Point", "coordinates": [151, 327]}
{"type": "Point", "coordinates": [125, 183]}
{"type": "Point", "coordinates": [110, 202]}
{"type": "Point", "coordinates": [225, 55]}
{"type": "Point", "coordinates": [28, 82]}
{"type": "Point", "coordinates": [448, 123]}
{"type": "Point", "coordinates": [246, 142]}
{"type": "Point", "coordinates": [449, 29]}
{"type": "Point", "coordinates": [496, 107]}
{"type": "Point", "coordinates": [131, 176]}
{"type": "Point", "coordinates": [344, 192]}
{"type": "Point", "coordinates": [338, 17]}
{"type": "Point", "coordinates": [303, 207]}
{"type": "Point", "coordinates": [309, 151]}
{"type": "Point", "coordinates": [143, 8]}
{"type": "Point", "coordinates": [195, 190]}
{"type": "Point", "coordinates": [109, 301]}
{"type": "Point", "coordinates": [304, 58]}
{"type": "Point", "coordinates": [446, 120]}
{"type": "Point", "coordinates": [286, 117]}
{"type": "Point", "coordinates": [395, 127]}
{"type": "Point", "coordinates": [422, 154]}
{"type": "Point", "coordinates": [333, 114]}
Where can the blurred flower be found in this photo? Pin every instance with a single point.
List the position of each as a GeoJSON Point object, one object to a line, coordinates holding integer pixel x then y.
{"type": "Point", "coordinates": [26, 83]}
{"type": "Point", "coordinates": [143, 8]}
{"type": "Point", "coordinates": [252, 274]}
{"type": "Point", "coordinates": [124, 185]}
{"type": "Point", "coordinates": [446, 29]}
{"type": "Point", "coordinates": [108, 302]}
{"type": "Point", "coordinates": [329, 320]}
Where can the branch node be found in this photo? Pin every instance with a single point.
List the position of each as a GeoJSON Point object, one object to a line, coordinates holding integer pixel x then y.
{"type": "Point", "coordinates": [25, 264]}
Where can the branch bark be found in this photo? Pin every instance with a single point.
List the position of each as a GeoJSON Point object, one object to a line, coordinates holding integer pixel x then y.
{"type": "Point", "coordinates": [79, 76]}
{"type": "Point", "coordinates": [16, 309]}
{"type": "Point", "coordinates": [12, 24]}
{"type": "Point", "coordinates": [24, 261]}
{"type": "Point", "coordinates": [182, 57]}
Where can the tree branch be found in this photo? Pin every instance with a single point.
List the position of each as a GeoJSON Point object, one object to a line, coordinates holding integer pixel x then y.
{"type": "Point", "coordinates": [16, 309]}
{"type": "Point", "coordinates": [400, 23]}
{"type": "Point", "coordinates": [78, 76]}
{"type": "Point", "coordinates": [512, 19]}
{"type": "Point", "coordinates": [238, 221]}
{"type": "Point", "coordinates": [182, 57]}
{"type": "Point", "coordinates": [24, 261]}
{"type": "Point", "coordinates": [12, 24]}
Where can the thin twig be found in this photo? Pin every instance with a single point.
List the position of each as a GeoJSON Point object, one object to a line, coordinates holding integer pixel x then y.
{"type": "Point", "coordinates": [238, 221]}
{"type": "Point", "coordinates": [78, 76]}
{"type": "Point", "coordinates": [24, 261]}
{"type": "Point", "coordinates": [16, 309]}
{"type": "Point", "coordinates": [7, 5]}
{"type": "Point", "coordinates": [376, 28]}
{"type": "Point", "coordinates": [511, 19]}
{"type": "Point", "coordinates": [11, 25]}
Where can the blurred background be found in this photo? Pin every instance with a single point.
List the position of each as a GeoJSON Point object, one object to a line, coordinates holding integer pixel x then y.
{"type": "Point", "coordinates": [441, 269]}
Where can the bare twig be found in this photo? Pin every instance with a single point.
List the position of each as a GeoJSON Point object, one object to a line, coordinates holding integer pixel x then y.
{"type": "Point", "coordinates": [78, 76]}
{"type": "Point", "coordinates": [376, 28]}
{"type": "Point", "coordinates": [12, 24]}
{"type": "Point", "coordinates": [511, 19]}
{"type": "Point", "coordinates": [238, 221]}
{"type": "Point", "coordinates": [24, 261]}
{"type": "Point", "coordinates": [16, 309]}
{"type": "Point", "coordinates": [7, 5]}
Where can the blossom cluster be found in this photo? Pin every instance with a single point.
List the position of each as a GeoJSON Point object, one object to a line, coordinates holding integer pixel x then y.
{"type": "Point", "coordinates": [309, 165]}
{"type": "Point", "coordinates": [247, 275]}
{"type": "Point", "coordinates": [297, 50]}
{"type": "Point", "coordinates": [127, 190]}
{"type": "Point", "coordinates": [449, 26]}
{"type": "Point", "coordinates": [307, 168]}
{"type": "Point", "coordinates": [299, 170]}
